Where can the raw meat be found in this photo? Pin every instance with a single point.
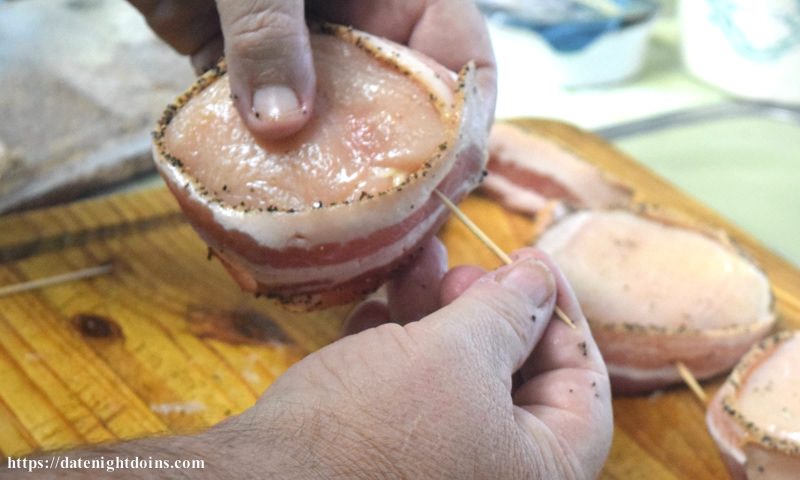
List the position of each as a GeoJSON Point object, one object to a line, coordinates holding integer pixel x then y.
{"type": "Point", "coordinates": [527, 171]}
{"type": "Point", "coordinates": [755, 416]}
{"type": "Point", "coordinates": [658, 290]}
{"type": "Point", "coordinates": [324, 216]}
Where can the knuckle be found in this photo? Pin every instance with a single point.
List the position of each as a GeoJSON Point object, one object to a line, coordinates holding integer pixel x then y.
{"type": "Point", "coordinates": [397, 336]}
{"type": "Point", "coordinates": [501, 306]}
{"type": "Point", "coordinates": [262, 29]}
{"type": "Point", "coordinates": [493, 325]}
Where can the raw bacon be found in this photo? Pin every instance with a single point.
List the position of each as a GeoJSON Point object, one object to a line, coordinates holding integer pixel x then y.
{"type": "Point", "coordinates": [755, 416]}
{"type": "Point", "coordinates": [527, 172]}
{"type": "Point", "coordinates": [657, 290]}
{"type": "Point", "coordinates": [324, 216]}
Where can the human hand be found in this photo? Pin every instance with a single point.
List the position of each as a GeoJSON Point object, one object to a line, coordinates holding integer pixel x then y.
{"type": "Point", "coordinates": [438, 397]}
{"type": "Point", "coordinates": [267, 48]}
{"type": "Point", "coordinates": [488, 386]}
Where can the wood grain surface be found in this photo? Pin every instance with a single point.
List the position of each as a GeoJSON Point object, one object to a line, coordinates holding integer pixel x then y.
{"type": "Point", "coordinates": [168, 343]}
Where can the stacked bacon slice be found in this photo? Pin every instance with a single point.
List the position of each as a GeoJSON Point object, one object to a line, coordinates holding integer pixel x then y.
{"type": "Point", "coordinates": [527, 173]}
{"type": "Point", "coordinates": [755, 416]}
{"type": "Point", "coordinates": [658, 290]}
{"type": "Point", "coordinates": [323, 217]}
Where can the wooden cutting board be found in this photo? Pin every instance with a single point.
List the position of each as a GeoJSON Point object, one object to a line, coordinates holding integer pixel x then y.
{"type": "Point", "coordinates": [168, 343]}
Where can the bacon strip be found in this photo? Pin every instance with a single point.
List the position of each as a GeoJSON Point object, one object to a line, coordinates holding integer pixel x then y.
{"type": "Point", "coordinates": [657, 291]}
{"type": "Point", "coordinates": [331, 254]}
{"type": "Point", "coordinates": [527, 171]}
{"type": "Point", "coordinates": [755, 417]}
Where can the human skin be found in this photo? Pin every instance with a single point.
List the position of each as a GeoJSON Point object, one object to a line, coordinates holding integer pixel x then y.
{"type": "Point", "coordinates": [475, 389]}
{"type": "Point", "coordinates": [269, 59]}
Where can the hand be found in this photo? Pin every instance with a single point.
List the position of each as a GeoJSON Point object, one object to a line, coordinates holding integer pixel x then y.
{"type": "Point", "coordinates": [267, 46]}
{"type": "Point", "coordinates": [435, 398]}
{"type": "Point", "coordinates": [488, 386]}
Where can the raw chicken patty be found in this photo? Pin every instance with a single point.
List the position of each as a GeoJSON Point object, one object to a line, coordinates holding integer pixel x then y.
{"type": "Point", "coordinates": [369, 130]}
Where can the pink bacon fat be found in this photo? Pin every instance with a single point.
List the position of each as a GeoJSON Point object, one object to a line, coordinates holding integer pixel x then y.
{"type": "Point", "coordinates": [657, 290]}
{"type": "Point", "coordinates": [528, 171]}
{"type": "Point", "coordinates": [323, 217]}
{"type": "Point", "coordinates": [755, 417]}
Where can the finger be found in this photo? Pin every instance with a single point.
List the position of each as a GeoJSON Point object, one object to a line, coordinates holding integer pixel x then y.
{"type": "Point", "coordinates": [270, 64]}
{"type": "Point", "coordinates": [452, 32]}
{"type": "Point", "coordinates": [185, 26]}
{"type": "Point", "coordinates": [369, 314]}
{"type": "Point", "coordinates": [565, 385]}
{"type": "Point", "coordinates": [209, 55]}
{"type": "Point", "coordinates": [457, 281]}
{"type": "Point", "coordinates": [552, 356]}
{"type": "Point", "coordinates": [414, 292]}
{"type": "Point", "coordinates": [573, 403]}
{"type": "Point", "coordinates": [497, 321]}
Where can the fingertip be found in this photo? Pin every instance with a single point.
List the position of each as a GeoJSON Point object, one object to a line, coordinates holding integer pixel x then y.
{"type": "Point", "coordinates": [278, 112]}
{"type": "Point", "coordinates": [414, 291]}
{"type": "Point", "coordinates": [502, 314]}
{"type": "Point", "coordinates": [369, 314]}
{"type": "Point", "coordinates": [270, 65]}
{"type": "Point", "coordinates": [273, 112]}
{"type": "Point", "coordinates": [207, 56]}
{"type": "Point", "coordinates": [526, 252]}
{"type": "Point", "coordinates": [567, 299]}
{"type": "Point", "coordinates": [457, 280]}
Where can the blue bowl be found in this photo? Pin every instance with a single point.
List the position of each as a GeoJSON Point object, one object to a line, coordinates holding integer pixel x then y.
{"type": "Point", "coordinates": [568, 26]}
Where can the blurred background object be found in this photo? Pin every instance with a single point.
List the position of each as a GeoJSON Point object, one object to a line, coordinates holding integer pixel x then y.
{"type": "Point", "coordinates": [583, 42]}
{"type": "Point", "coordinates": [527, 86]}
{"type": "Point", "coordinates": [83, 81]}
{"type": "Point", "coordinates": [742, 158]}
{"type": "Point", "coordinates": [748, 48]}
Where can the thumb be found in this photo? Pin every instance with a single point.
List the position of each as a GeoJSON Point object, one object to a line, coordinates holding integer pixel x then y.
{"type": "Point", "coordinates": [501, 316]}
{"type": "Point", "coordinates": [269, 63]}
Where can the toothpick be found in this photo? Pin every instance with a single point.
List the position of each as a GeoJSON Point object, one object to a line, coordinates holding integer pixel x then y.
{"type": "Point", "coordinates": [688, 377]}
{"type": "Point", "coordinates": [785, 297]}
{"type": "Point", "coordinates": [503, 256]}
{"type": "Point", "coordinates": [564, 318]}
{"type": "Point", "coordinates": [55, 279]}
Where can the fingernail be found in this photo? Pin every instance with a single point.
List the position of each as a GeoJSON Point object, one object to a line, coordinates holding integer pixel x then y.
{"type": "Point", "coordinates": [531, 278]}
{"type": "Point", "coordinates": [275, 102]}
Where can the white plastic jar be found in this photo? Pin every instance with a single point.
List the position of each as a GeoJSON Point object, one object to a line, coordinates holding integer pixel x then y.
{"type": "Point", "coordinates": [750, 48]}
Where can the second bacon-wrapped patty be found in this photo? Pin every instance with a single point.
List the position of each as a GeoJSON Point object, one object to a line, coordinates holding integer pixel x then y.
{"type": "Point", "coordinates": [658, 289]}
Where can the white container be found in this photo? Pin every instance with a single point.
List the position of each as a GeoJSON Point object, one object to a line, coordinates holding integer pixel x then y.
{"type": "Point", "coordinates": [576, 43]}
{"type": "Point", "coordinates": [750, 48]}
{"type": "Point", "coordinates": [612, 58]}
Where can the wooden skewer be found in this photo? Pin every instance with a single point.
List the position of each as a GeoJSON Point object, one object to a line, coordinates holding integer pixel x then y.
{"type": "Point", "coordinates": [785, 297]}
{"type": "Point", "coordinates": [55, 279]}
{"type": "Point", "coordinates": [692, 382]}
{"type": "Point", "coordinates": [490, 244]}
{"type": "Point", "coordinates": [684, 372]}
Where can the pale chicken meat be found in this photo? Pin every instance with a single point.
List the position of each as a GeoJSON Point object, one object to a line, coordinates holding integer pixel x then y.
{"type": "Point", "coordinates": [657, 292]}
{"type": "Point", "coordinates": [325, 216]}
{"type": "Point", "coordinates": [755, 416]}
{"type": "Point", "coordinates": [370, 130]}
{"type": "Point", "coordinates": [528, 172]}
